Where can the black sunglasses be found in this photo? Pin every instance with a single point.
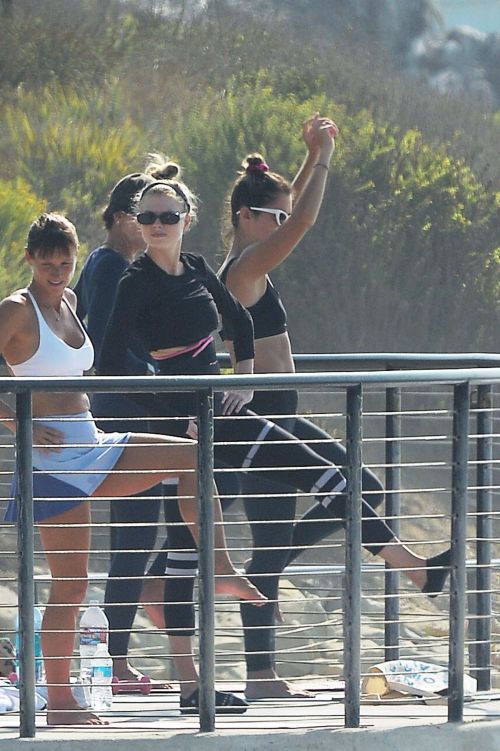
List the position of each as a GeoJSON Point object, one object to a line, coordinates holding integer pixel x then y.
{"type": "Point", "coordinates": [165, 217]}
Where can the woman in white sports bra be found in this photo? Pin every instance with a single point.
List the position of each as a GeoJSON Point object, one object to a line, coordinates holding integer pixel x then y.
{"type": "Point", "coordinates": [40, 335]}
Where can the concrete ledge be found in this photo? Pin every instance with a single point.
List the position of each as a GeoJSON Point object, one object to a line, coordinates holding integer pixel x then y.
{"type": "Point", "coordinates": [484, 735]}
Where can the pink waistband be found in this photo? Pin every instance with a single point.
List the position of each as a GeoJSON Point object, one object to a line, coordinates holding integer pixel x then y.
{"type": "Point", "coordinates": [195, 348]}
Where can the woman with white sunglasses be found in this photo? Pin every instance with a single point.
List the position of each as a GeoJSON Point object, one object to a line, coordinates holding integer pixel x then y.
{"type": "Point", "coordinates": [269, 217]}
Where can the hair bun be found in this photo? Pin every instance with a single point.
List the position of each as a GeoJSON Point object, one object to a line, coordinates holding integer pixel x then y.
{"type": "Point", "coordinates": [161, 168]}
{"type": "Point", "coordinates": [166, 172]}
{"type": "Point", "coordinates": [254, 163]}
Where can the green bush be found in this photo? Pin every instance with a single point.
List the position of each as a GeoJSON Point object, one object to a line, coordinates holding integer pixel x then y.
{"type": "Point", "coordinates": [405, 252]}
{"type": "Point", "coordinates": [19, 206]}
{"type": "Point", "coordinates": [70, 148]}
{"type": "Point", "coordinates": [212, 139]}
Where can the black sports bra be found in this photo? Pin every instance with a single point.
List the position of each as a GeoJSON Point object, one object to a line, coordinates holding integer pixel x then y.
{"type": "Point", "coordinates": [268, 313]}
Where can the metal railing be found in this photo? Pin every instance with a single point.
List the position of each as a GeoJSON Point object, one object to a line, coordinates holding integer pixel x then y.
{"type": "Point", "coordinates": [483, 376]}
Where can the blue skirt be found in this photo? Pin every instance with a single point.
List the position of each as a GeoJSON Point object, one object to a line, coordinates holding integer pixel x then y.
{"type": "Point", "coordinates": [65, 478]}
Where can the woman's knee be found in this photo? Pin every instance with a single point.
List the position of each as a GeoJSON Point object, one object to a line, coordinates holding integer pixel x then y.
{"type": "Point", "coordinates": [265, 561]}
{"type": "Point", "coordinates": [69, 592]}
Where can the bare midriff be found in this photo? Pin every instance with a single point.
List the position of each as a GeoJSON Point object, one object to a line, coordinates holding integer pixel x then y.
{"type": "Point", "coordinates": [273, 354]}
{"type": "Point", "coordinates": [59, 403]}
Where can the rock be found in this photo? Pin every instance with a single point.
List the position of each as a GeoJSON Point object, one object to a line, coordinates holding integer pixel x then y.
{"type": "Point", "coordinates": [470, 40]}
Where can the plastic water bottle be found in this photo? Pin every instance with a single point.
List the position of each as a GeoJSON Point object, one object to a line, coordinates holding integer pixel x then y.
{"type": "Point", "coordinates": [39, 674]}
{"type": "Point", "coordinates": [101, 679]}
{"type": "Point", "coordinates": [94, 630]}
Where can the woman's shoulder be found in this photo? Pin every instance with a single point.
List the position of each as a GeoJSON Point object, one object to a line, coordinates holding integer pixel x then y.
{"type": "Point", "coordinates": [15, 308]}
{"type": "Point", "coordinates": [138, 266]}
{"type": "Point", "coordinates": [138, 274]}
{"type": "Point", "coordinates": [197, 262]}
{"type": "Point", "coordinates": [16, 300]}
{"type": "Point", "coordinates": [196, 259]}
{"type": "Point", "coordinates": [70, 297]}
{"type": "Point", "coordinates": [104, 257]}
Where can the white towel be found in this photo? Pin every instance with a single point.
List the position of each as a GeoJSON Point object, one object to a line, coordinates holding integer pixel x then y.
{"type": "Point", "coordinates": [9, 698]}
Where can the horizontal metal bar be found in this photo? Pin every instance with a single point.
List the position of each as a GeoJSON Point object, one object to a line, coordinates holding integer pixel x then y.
{"type": "Point", "coordinates": [144, 384]}
{"type": "Point", "coordinates": [395, 360]}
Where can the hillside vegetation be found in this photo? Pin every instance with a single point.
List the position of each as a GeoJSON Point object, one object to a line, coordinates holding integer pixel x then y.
{"type": "Point", "coordinates": [405, 255]}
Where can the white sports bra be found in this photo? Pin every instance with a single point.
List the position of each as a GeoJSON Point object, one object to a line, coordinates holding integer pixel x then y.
{"type": "Point", "coordinates": [54, 357]}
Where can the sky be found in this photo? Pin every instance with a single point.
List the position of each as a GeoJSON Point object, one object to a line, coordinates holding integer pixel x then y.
{"type": "Point", "coordinates": [481, 14]}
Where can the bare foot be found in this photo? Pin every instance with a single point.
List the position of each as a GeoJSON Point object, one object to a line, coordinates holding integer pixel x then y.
{"type": "Point", "coordinates": [275, 688]}
{"type": "Point", "coordinates": [151, 601]}
{"type": "Point", "coordinates": [240, 587]}
{"type": "Point", "coordinates": [73, 715]}
{"type": "Point", "coordinates": [418, 574]}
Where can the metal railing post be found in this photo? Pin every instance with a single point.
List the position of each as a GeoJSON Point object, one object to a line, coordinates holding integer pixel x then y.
{"type": "Point", "coordinates": [461, 406]}
{"type": "Point", "coordinates": [206, 559]}
{"type": "Point", "coordinates": [25, 551]}
{"type": "Point", "coordinates": [484, 533]}
{"type": "Point", "coordinates": [352, 599]}
{"type": "Point", "coordinates": [393, 510]}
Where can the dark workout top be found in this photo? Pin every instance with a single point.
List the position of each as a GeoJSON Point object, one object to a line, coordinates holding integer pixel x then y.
{"type": "Point", "coordinates": [268, 313]}
{"type": "Point", "coordinates": [161, 311]}
{"type": "Point", "coordinates": [95, 291]}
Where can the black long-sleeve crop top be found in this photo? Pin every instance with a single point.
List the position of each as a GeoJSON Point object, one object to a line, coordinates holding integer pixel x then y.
{"type": "Point", "coordinates": [161, 311]}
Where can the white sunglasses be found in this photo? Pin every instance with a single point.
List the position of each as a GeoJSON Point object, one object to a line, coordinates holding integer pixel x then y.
{"type": "Point", "coordinates": [279, 214]}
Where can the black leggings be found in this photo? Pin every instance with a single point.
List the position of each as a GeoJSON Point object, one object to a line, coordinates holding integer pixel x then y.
{"type": "Point", "coordinates": [177, 562]}
{"type": "Point", "coordinates": [272, 454]}
{"type": "Point", "coordinates": [277, 538]}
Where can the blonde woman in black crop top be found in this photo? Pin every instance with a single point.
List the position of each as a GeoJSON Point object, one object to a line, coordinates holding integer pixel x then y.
{"type": "Point", "coordinates": [269, 217]}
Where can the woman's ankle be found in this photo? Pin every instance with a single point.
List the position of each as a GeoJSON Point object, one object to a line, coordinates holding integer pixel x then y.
{"type": "Point", "coordinates": [265, 674]}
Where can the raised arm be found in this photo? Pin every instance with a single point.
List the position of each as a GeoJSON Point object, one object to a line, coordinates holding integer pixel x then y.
{"type": "Point", "coordinates": [310, 138]}
{"type": "Point", "coordinates": [261, 257]}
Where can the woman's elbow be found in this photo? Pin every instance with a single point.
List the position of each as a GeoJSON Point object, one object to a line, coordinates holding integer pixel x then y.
{"type": "Point", "coordinates": [305, 220]}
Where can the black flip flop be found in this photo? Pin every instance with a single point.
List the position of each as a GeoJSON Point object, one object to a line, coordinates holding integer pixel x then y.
{"type": "Point", "coordinates": [225, 703]}
{"type": "Point", "coordinates": [438, 569]}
